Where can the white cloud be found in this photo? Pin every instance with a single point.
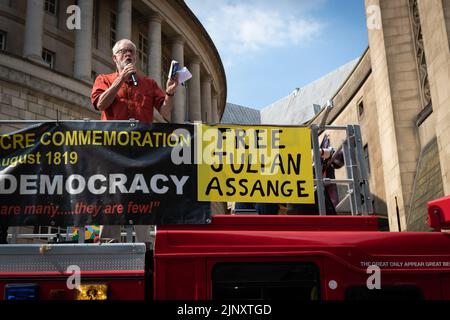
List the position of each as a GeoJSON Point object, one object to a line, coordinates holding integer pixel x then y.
{"type": "Point", "coordinates": [238, 27]}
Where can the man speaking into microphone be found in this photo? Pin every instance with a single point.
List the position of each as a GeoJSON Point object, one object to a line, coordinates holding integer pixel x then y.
{"type": "Point", "coordinates": [124, 94]}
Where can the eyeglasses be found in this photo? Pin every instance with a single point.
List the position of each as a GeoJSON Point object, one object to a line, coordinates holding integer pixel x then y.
{"type": "Point", "coordinates": [124, 51]}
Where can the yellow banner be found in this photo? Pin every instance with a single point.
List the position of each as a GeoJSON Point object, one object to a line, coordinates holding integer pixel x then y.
{"type": "Point", "coordinates": [254, 164]}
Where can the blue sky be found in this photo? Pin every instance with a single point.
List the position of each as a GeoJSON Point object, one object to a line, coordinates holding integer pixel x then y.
{"type": "Point", "coordinates": [270, 47]}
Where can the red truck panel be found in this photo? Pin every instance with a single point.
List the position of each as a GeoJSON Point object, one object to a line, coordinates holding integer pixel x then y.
{"type": "Point", "coordinates": [439, 213]}
{"type": "Point", "coordinates": [182, 252]}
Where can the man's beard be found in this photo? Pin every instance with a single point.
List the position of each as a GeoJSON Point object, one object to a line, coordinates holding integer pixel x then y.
{"type": "Point", "coordinates": [124, 63]}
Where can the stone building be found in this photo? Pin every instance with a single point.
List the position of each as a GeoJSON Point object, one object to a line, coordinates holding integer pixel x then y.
{"type": "Point", "coordinates": [399, 93]}
{"type": "Point", "coordinates": [47, 64]}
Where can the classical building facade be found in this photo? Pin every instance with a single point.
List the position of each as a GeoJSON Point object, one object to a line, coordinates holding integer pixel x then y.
{"type": "Point", "coordinates": [49, 59]}
{"type": "Point", "coordinates": [52, 50]}
{"type": "Point", "coordinates": [399, 93]}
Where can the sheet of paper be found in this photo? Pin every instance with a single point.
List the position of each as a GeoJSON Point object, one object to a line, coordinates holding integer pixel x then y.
{"type": "Point", "coordinates": [183, 75]}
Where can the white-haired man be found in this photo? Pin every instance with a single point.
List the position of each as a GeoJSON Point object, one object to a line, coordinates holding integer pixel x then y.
{"type": "Point", "coordinates": [118, 98]}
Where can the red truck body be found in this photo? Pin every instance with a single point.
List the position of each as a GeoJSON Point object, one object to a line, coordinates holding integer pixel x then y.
{"type": "Point", "coordinates": [255, 257]}
{"type": "Point", "coordinates": [340, 247]}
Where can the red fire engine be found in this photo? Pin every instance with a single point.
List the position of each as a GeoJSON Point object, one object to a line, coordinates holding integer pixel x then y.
{"type": "Point", "coordinates": [243, 257]}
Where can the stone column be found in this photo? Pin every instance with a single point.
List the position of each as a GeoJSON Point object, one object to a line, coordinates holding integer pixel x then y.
{"type": "Point", "coordinates": [34, 29]}
{"type": "Point", "coordinates": [124, 19]}
{"type": "Point", "coordinates": [154, 48]}
{"type": "Point", "coordinates": [396, 87]}
{"type": "Point", "coordinates": [206, 98]}
{"type": "Point", "coordinates": [215, 111]}
{"type": "Point", "coordinates": [195, 107]}
{"type": "Point", "coordinates": [179, 102]}
{"type": "Point", "coordinates": [83, 42]}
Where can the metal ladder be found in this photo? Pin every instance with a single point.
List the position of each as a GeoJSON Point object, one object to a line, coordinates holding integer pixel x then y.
{"type": "Point", "coordinates": [357, 181]}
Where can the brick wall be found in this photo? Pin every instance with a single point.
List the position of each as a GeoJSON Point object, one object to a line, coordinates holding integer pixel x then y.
{"type": "Point", "coordinates": [428, 186]}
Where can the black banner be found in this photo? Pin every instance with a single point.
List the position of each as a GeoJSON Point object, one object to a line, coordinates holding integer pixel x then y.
{"type": "Point", "coordinates": [81, 173]}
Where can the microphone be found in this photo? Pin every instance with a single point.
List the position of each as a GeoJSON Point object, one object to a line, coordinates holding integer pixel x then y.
{"type": "Point", "coordinates": [133, 77]}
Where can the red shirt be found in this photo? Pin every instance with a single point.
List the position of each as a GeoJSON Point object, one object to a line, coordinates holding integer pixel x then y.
{"type": "Point", "coordinates": [130, 101]}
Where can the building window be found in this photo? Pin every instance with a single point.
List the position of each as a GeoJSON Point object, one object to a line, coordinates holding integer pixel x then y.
{"type": "Point", "coordinates": [49, 58]}
{"type": "Point", "coordinates": [366, 158]}
{"type": "Point", "coordinates": [316, 108]}
{"type": "Point", "coordinates": [266, 281]}
{"type": "Point", "coordinates": [142, 52]}
{"type": "Point", "coordinates": [113, 28]}
{"type": "Point", "coordinates": [421, 60]}
{"type": "Point", "coordinates": [360, 108]}
{"type": "Point", "coordinates": [93, 75]}
{"type": "Point", "coordinates": [95, 22]}
{"type": "Point", "coordinates": [2, 40]}
{"type": "Point", "coordinates": [50, 6]}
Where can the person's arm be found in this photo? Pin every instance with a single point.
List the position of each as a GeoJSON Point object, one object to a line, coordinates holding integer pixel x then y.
{"type": "Point", "coordinates": [106, 98]}
{"type": "Point", "coordinates": [166, 107]}
{"type": "Point", "coordinates": [326, 153]}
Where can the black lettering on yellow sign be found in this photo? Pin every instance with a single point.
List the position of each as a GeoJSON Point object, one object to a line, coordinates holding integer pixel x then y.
{"type": "Point", "coordinates": [256, 164]}
{"type": "Point", "coordinates": [259, 188]}
{"type": "Point", "coordinates": [255, 138]}
{"type": "Point", "coordinates": [248, 166]}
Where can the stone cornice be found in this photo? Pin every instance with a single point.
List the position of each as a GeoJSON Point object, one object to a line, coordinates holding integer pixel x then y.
{"type": "Point", "coordinates": [351, 86]}
{"type": "Point", "coordinates": [194, 59]}
{"type": "Point", "coordinates": [178, 39]}
{"type": "Point", "coordinates": [348, 89]}
{"type": "Point", "coordinates": [100, 56]}
{"type": "Point", "coordinates": [205, 78]}
{"type": "Point", "coordinates": [59, 37]}
{"type": "Point", "coordinates": [12, 17]}
{"type": "Point", "coordinates": [156, 17]}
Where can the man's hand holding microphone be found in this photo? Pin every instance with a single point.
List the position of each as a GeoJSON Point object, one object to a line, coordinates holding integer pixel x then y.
{"type": "Point", "coordinates": [129, 72]}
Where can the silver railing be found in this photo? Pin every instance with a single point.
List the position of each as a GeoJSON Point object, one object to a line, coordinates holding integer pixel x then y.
{"type": "Point", "coordinates": [13, 236]}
